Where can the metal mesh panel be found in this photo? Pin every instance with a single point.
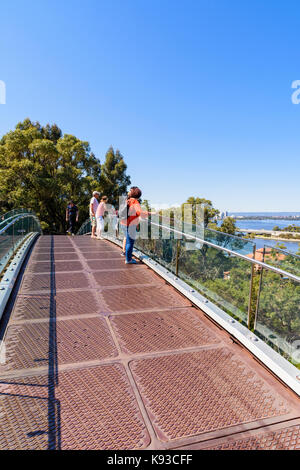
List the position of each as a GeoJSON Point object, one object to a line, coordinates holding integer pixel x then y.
{"type": "Point", "coordinates": [81, 315]}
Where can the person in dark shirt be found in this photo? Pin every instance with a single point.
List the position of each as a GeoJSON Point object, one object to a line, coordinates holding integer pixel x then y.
{"type": "Point", "coordinates": [71, 216]}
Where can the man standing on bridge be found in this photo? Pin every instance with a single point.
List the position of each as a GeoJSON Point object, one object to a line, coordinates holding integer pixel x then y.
{"type": "Point", "coordinates": [94, 202]}
{"type": "Point", "coordinates": [71, 217]}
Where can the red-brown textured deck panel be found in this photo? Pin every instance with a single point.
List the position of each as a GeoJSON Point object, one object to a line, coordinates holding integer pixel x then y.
{"type": "Point", "coordinates": [100, 355]}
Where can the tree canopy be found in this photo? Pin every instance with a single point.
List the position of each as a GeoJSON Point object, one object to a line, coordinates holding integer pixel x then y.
{"type": "Point", "coordinates": [228, 226]}
{"type": "Point", "coordinates": [42, 169]}
{"type": "Point", "coordinates": [209, 211]}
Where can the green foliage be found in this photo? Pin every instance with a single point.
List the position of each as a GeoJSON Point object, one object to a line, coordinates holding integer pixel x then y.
{"type": "Point", "coordinates": [279, 311]}
{"type": "Point", "coordinates": [146, 205]}
{"type": "Point", "coordinates": [286, 262]}
{"type": "Point", "coordinates": [228, 226]}
{"type": "Point", "coordinates": [249, 236]}
{"type": "Point", "coordinates": [209, 211]}
{"type": "Point", "coordinates": [279, 304]}
{"type": "Point", "coordinates": [41, 169]}
{"type": "Point", "coordinates": [281, 246]}
{"type": "Point", "coordinates": [225, 280]}
{"type": "Point", "coordinates": [291, 228]}
{"type": "Point", "coordinates": [213, 226]}
{"type": "Point", "coordinates": [290, 236]}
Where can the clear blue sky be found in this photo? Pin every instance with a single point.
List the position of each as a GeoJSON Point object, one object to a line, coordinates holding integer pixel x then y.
{"type": "Point", "coordinates": [196, 94]}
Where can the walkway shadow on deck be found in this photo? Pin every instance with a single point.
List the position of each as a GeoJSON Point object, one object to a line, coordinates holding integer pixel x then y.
{"type": "Point", "coordinates": [54, 422]}
{"type": "Point", "coordinates": [53, 404]}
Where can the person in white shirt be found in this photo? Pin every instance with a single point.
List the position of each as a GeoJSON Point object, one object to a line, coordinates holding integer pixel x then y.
{"type": "Point", "coordinates": [100, 216]}
{"type": "Point", "coordinates": [94, 202]}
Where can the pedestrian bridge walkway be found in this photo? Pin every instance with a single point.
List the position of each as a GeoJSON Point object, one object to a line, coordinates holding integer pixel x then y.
{"type": "Point", "coordinates": [103, 355]}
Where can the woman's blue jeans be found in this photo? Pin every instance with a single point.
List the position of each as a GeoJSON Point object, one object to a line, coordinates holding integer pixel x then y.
{"type": "Point", "coordinates": [129, 246]}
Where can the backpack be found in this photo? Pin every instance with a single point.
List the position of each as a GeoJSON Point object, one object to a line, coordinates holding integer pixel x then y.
{"type": "Point", "coordinates": [123, 211]}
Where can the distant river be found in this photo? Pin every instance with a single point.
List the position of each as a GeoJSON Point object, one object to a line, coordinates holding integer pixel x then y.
{"type": "Point", "coordinates": [290, 246]}
{"type": "Point", "coordinates": [269, 224]}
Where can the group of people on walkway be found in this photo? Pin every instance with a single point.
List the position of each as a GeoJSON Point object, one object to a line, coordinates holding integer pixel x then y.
{"type": "Point", "coordinates": [127, 218]}
{"type": "Point", "coordinates": [98, 207]}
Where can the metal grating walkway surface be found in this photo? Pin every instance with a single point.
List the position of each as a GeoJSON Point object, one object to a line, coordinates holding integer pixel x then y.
{"type": "Point", "coordinates": [103, 355]}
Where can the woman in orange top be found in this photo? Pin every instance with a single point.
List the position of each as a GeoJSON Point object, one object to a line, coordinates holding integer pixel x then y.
{"type": "Point", "coordinates": [129, 224]}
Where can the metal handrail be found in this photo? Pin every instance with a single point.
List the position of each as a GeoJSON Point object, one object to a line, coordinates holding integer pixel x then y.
{"type": "Point", "coordinates": [282, 250]}
{"type": "Point", "coordinates": [85, 223]}
{"type": "Point", "coordinates": [14, 212]}
{"type": "Point", "coordinates": [216, 232]}
{"type": "Point", "coordinates": [253, 300]}
{"type": "Point", "coordinates": [17, 218]}
{"type": "Point", "coordinates": [18, 240]}
{"type": "Point", "coordinates": [13, 217]}
{"type": "Point", "coordinates": [254, 262]}
{"type": "Point", "coordinates": [239, 255]}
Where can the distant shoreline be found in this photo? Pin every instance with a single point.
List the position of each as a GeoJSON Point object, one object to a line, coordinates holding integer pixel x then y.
{"type": "Point", "coordinates": [293, 240]}
{"type": "Point", "coordinates": [270, 217]}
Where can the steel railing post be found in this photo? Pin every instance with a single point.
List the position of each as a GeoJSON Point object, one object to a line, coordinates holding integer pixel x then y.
{"type": "Point", "coordinates": [177, 257]}
{"type": "Point", "coordinates": [13, 238]}
{"type": "Point", "coordinates": [251, 290]}
{"type": "Point", "coordinates": [259, 290]}
{"type": "Point", "coordinates": [250, 297]}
